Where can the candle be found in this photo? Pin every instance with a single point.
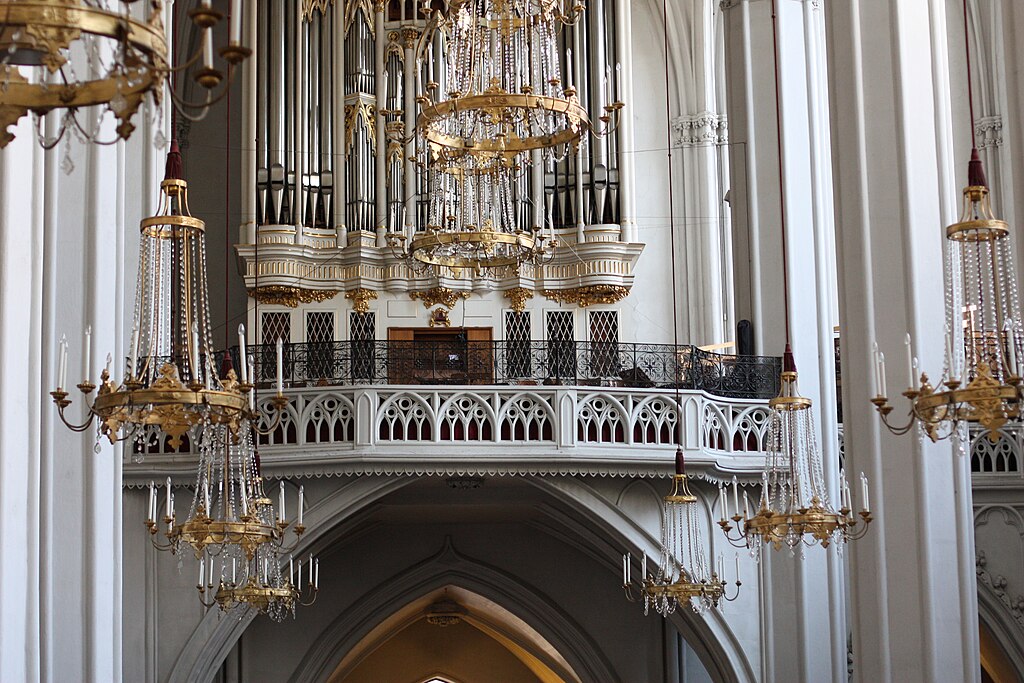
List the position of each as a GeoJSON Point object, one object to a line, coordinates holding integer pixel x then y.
{"type": "Point", "coordinates": [618, 81]}
{"type": "Point", "coordinates": [910, 362]}
{"type": "Point", "coordinates": [625, 565]}
{"type": "Point", "coordinates": [133, 354]}
{"type": "Point", "coordinates": [643, 567]}
{"type": "Point", "coordinates": [88, 354]}
{"type": "Point", "coordinates": [721, 566]}
{"type": "Point", "coordinates": [300, 504]}
{"type": "Point", "coordinates": [208, 48]}
{"type": "Point", "coordinates": [291, 570]}
{"type": "Point", "coordinates": [236, 22]}
{"type": "Point", "coordinates": [233, 567]}
{"type": "Point", "coordinates": [311, 570]}
{"type": "Point", "coordinates": [206, 496]}
{"type": "Point", "coordinates": [280, 366]}
{"type": "Point", "coordinates": [1011, 351]}
{"type": "Point", "coordinates": [316, 575]}
{"type": "Point", "coordinates": [914, 374]}
{"type": "Point", "coordinates": [152, 501]}
{"type": "Point", "coordinates": [864, 491]}
{"type": "Point", "coordinates": [252, 370]}
{"type": "Point", "coordinates": [568, 67]}
{"type": "Point", "coordinates": [195, 355]}
{"type": "Point", "coordinates": [202, 566]}
{"type": "Point", "coordinates": [241, 352]}
{"type": "Point", "coordinates": [243, 496]}
{"type": "Point", "coordinates": [737, 567]}
{"type": "Point", "coordinates": [722, 498]}
{"type": "Point", "coordinates": [110, 360]}
{"type": "Point", "coordinates": [735, 496]}
{"type": "Point", "coordinates": [62, 360]}
{"type": "Point", "coordinates": [168, 496]}
{"type": "Point", "coordinates": [280, 503]}
{"type": "Point", "coordinates": [881, 373]}
{"type": "Point", "coordinates": [746, 505]}
{"type": "Point", "coordinates": [876, 374]}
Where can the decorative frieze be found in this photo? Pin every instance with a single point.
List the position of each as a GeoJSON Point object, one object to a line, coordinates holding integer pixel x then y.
{"type": "Point", "coordinates": [518, 297]}
{"type": "Point", "coordinates": [705, 128]}
{"type": "Point", "coordinates": [587, 296]}
{"type": "Point", "coordinates": [289, 296]}
{"type": "Point", "coordinates": [361, 299]}
{"type": "Point", "coordinates": [439, 295]}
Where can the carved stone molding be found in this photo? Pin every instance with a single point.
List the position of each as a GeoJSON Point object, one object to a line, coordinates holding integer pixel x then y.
{"type": "Point", "coordinates": [518, 297]}
{"type": "Point", "coordinates": [290, 296]}
{"type": "Point", "coordinates": [361, 299]}
{"type": "Point", "coordinates": [998, 584]}
{"type": "Point", "coordinates": [705, 128]}
{"type": "Point", "coordinates": [439, 295]}
{"type": "Point", "coordinates": [989, 131]}
{"type": "Point", "coordinates": [587, 296]}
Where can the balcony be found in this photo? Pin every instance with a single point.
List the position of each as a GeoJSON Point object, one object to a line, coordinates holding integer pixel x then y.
{"type": "Point", "coordinates": [520, 363]}
{"type": "Point", "coordinates": [493, 408]}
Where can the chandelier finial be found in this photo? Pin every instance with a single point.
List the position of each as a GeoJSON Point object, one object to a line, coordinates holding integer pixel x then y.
{"type": "Point", "coordinates": [174, 170]}
{"type": "Point", "coordinates": [976, 170]}
{"type": "Point", "coordinates": [788, 361]}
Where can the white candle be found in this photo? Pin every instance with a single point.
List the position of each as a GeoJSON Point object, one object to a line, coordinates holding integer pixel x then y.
{"type": "Point", "coordinates": [735, 496]}
{"type": "Point", "coordinates": [568, 67]}
{"type": "Point", "coordinates": [202, 566]}
{"type": "Point", "coordinates": [208, 48]}
{"type": "Point", "coordinates": [233, 567]}
{"type": "Point", "coordinates": [168, 496]}
{"type": "Point", "coordinates": [291, 570]}
{"type": "Point", "coordinates": [311, 570]}
{"type": "Point", "coordinates": [1011, 351]}
{"type": "Point", "coordinates": [864, 491]}
{"type": "Point", "coordinates": [206, 496]}
{"type": "Point", "coordinates": [241, 353]}
{"type": "Point", "coordinates": [88, 352]}
{"type": "Point", "coordinates": [243, 495]}
{"type": "Point", "coordinates": [721, 502]}
{"type": "Point", "coordinates": [618, 81]}
{"type": "Point", "coordinates": [625, 578]}
{"type": "Point", "coordinates": [195, 355]}
{"type": "Point", "coordinates": [316, 575]}
{"type": "Point", "coordinates": [914, 375]}
{"type": "Point", "coordinates": [300, 504]}
{"type": "Point", "coordinates": [133, 354]}
{"type": "Point", "coordinates": [280, 502]}
{"type": "Point", "coordinates": [629, 568]}
{"type": "Point", "coordinates": [746, 506]}
{"type": "Point", "coordinates": [152, 501]}
{"type": "Point", "coordinates": [737, 567]}
{"type": "Point", "coordinates": [643, 567]}
{"type": "Point", "coordinates": [280, 366]}
{"type": "Point", "coordinates": [110, 360]}
{"type": "Point", "coordinates": [881, 373]}
{"type": "Point", "coordinates": [910, 362]}
{"type": "Point", "coordinates": [721, 566]}
{"type": "Point", "coordinates": [876, 374]}
{"type": "Point", "coordinates": [236, 22]}
{"type": "Point", "coordinates": [62, 361]}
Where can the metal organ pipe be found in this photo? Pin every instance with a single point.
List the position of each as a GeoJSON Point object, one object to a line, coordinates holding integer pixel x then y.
{"type": "Point", "coordinates": [380, 172]}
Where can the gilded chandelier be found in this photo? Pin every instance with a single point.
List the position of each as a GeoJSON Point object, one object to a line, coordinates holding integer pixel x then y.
{"type": "Point", "coordinates": [794, 508]}
{"type": "Point", "coordinates": [125, 50]}
{"type": "Point", "coordinates": [682, 575]}
{"type": "Point", "coordinates": [171, 382]}
{"type": "Point", "coordinates": [981, 377]}
{"type": "Point", "coordinates": [237, 536]}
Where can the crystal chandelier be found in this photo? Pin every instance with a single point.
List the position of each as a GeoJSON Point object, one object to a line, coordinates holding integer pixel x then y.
{"type": "Point", "coordinates": [682, 575]}
{"type": "Point", "coordinates": [171, 381]}
{"type": "Point", "coordinates": [980, 382]}
{"type": "Point", "coordinates": [126, 60]}
{"type": "Point", "coordinates": [473, 221]}
{"type": "Point", "coordinates": [234, 531]}
{"type": "Point", "coordinates": [794, 508]}
{"type": "Point", "coordinates": [502, 96]}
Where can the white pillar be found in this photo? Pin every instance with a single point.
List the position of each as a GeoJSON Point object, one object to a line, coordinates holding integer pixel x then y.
{"type": "Point", "coordinates": [805, 630]}
{"type": "Point", "coordinates": [913, 592]}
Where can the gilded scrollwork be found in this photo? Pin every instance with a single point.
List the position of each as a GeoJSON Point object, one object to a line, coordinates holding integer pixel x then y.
{"type": "Point", "coordinates": [290, 296]}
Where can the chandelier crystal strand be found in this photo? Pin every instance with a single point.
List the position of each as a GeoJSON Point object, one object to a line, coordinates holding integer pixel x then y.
{"type": "Point", "coordinates": [170, 382]}
{"type": "Point", "coordinates": [794, 508]}
{"type": "Point", "coordinates": [124, 46]}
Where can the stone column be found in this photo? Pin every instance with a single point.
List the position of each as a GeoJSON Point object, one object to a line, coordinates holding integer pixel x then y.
{"type": "Point", "coordinates": [804, 623]}
{"type": "Point", "coordinates": [913, 604]}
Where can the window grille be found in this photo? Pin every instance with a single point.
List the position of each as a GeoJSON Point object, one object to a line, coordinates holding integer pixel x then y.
{"type": "Point", "coordinates": [604, 343]}
{"type": "Point", "coordinates": [320, 344]}
{"type": "Point", "coordinates": [517, 344]}
{"type": "Point", "coordinates": [561, 345]}
{"type": "Point", "coordinates": [362, 332]}
{"type": "Point", "coordinates": [274, 325]}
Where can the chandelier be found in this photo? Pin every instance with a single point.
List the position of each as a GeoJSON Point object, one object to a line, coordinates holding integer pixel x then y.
{"type": "Point", "coordinates": [980, 382]}
{"type": "Point", "coordinates": [501, 97]}
{"type": "Point", "coordinates": [125, 60]}
{"type": "Point", "coordinates": [171, 381]}
{"type": "Point", "coordinates": [474, 221]}
{"type": "Point", "coordinates": [794, 508]}
{"type": "Point", "coordinates": [233, 529]}
{"type": "Point", "coordinates": [682, 575]}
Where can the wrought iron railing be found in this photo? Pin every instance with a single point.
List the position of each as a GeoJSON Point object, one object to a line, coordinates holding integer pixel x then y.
{"type": "Point", "coordinates": [519, 363]}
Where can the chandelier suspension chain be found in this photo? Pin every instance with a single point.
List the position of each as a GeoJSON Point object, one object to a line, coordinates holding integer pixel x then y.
{"type": "Point", "coordinates": [782, 185]}
{"type": "Point", "coordinates": [970, 89]}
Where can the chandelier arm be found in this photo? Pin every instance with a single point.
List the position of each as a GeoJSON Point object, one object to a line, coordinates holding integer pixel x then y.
{"type": "Point", "coordinates": [202, 591]}
{"type": "Point", "coordinates": [182, 104]}
{"type": "Point", "coordinates": [278, 416]}
{"type": "Point", "coordinates": [73, 115]}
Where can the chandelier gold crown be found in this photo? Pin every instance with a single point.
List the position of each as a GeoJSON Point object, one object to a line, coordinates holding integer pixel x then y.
{"type": "Point", "coordinates": [127, 47]}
